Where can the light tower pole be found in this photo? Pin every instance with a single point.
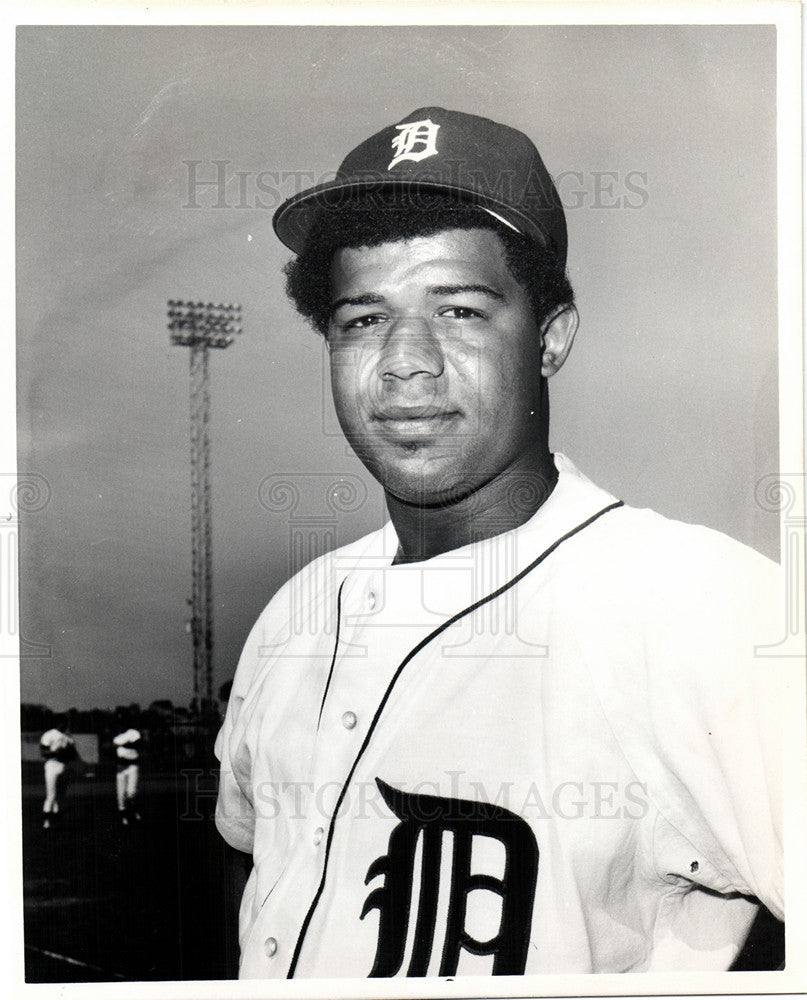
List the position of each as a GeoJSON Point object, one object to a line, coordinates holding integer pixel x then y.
{"type": "Point", "coordinates": [200, 327]}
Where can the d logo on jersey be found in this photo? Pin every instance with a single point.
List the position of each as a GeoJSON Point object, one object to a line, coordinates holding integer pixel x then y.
{"type": "Point", "coordinates": [429, 817]}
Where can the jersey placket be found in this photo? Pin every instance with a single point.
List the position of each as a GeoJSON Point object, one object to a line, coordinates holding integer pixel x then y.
{"type": "Point", "coordinates": [383, 616]}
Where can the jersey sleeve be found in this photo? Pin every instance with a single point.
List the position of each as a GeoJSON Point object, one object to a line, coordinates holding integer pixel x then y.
{"type": "Point", "coordinates": [701, 723]}
{"type": "Point", "coordinates": [239, 736]}
{"type": "Point", "coordinates": [235, 814]}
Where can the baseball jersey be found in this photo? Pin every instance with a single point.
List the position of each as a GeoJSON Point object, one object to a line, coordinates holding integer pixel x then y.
{"type": "Point", "coordinates": [56, 745]}
{"type": "Point", "coordinates": [126, 749]}
{"type": "Point", "coordinates": [553, 750]}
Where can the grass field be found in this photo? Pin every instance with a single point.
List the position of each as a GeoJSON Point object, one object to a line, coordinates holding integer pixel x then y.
{"type": "Point", "coordinates": [105, 903]}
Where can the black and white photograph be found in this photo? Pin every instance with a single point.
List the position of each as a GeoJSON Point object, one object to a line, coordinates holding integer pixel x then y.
{"type": "Point", "coordinates": [404, 551]}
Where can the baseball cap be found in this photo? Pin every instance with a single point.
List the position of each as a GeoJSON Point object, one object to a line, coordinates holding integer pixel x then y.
{"type": "Point", "coordinates": [436, 151]}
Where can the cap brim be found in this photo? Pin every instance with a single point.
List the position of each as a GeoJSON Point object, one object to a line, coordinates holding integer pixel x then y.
{"type": "Point", "coordinates": [295, 217]}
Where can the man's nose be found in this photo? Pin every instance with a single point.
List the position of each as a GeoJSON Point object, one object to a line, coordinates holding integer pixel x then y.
{"type": "Point", "coordinates": [411, 348]}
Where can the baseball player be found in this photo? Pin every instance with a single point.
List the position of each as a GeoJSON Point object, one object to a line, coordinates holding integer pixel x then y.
{"type": "Point", "coordinates": [127, 754]}
{"type": "Point", "coordinates": [520, 728]}
{"type": "Point", "coordinates": [58, 749]}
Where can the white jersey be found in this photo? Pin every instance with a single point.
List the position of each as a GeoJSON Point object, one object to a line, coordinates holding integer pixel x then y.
{"type": "Point", "coordinates": [549, 751]}
{"type": "Point", "coordinates": [126, 746]}
{"type": "Point", "coordinates": [54, 740]}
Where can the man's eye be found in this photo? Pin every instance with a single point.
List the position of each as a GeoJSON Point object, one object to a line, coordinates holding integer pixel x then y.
{"type": "Point", "coordinates": [460, 312]}
{"type": "Point", "coordinates": [364, 322]}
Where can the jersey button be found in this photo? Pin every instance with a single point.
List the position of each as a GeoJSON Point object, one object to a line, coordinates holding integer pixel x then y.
{"type": "Point", "coordinates": [270, 947]}
{"type": "Point", "coordinates": [318, 834]}
{"type": "Point", "coordinates": [349, 720]}
{"type": "Point", "coordinates": [371, 600]}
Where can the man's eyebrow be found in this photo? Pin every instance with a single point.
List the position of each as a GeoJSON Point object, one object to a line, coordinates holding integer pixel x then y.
{"type": "Point", "coordinates": [365, 299]}
{"type": "Point", "coordinates": [459, 289]}
{"type": "Point", "coordinates": [373, 298]}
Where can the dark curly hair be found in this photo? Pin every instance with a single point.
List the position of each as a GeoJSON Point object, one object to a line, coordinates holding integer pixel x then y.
{"type": "Point", "coordinates": [370, 221]}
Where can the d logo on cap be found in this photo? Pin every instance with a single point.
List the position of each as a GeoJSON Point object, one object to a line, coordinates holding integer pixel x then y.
{"type": "Point", "coordinates": [410, 135]}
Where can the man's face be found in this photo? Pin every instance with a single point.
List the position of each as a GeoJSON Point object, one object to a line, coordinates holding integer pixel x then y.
{"type": "Point", "coordinates": [435, 363]}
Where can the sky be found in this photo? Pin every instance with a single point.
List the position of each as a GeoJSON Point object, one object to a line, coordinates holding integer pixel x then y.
{"type": "Point", "coordinates": [149, 163]}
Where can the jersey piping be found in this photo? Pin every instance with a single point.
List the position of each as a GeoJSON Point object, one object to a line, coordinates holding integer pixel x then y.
{"type": "Point", "coordinates": [335, 650]}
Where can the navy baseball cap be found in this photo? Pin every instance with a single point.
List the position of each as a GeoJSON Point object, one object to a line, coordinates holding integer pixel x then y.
{"type": "Point", "coordinates": [434, 151]}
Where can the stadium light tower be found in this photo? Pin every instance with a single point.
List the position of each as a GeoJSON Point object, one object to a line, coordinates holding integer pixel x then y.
{"type": "Point", "coordinates": [201, 326]}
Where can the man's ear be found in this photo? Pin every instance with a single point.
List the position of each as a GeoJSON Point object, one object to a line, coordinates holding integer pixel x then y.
{"type": "Point", "coordinates": [557, 336]}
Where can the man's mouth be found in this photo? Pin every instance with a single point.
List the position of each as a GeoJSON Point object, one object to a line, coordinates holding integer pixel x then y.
{"type": "Point", "coordinates": [414, 421]}
{"type": "Point", "coordinates": [412, 411]}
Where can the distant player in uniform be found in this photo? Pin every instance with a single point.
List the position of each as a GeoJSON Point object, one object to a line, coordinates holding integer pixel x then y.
{"type": "Point", "coordinates": [58, 749]}
{"type": "Point", "coordinates": [521, 728]}
{"type": "Point", "coordinates": [127, 753]}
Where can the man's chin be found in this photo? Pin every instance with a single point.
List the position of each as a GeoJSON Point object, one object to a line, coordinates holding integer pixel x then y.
{"type": "Point", "coordinates": [419, 474]}
{"type": "Point", "coordinates": [431, 489]}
